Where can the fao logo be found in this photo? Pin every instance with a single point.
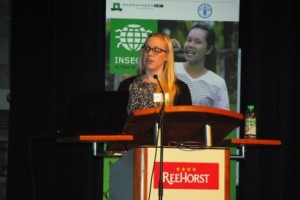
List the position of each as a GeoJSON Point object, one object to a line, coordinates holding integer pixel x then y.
{"type": "Point", "coordinates": [204, 10]}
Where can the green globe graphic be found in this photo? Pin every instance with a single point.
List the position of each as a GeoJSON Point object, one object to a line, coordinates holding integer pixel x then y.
{"type": "Point", "coordinates": [132, 37]}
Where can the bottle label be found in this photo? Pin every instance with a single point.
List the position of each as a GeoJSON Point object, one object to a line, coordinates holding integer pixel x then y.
{"type": "Point", "coordinates": [250, 126]}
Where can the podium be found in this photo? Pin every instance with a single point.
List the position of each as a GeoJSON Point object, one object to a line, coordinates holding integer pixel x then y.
{"type": "Point", "coordinates": [193, 168]}
{"type": "Point", "coordinates": [200, 125]}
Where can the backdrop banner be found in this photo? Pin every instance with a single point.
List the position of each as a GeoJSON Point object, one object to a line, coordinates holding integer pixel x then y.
{"type": "Point", "coordinates": [129, 22]}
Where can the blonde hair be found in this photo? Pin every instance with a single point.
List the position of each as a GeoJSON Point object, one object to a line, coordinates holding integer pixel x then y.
{"type": "Point", "coordinates": [167, 78]}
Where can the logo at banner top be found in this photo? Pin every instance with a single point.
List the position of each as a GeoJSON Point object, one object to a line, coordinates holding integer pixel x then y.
{"type": "Point", "coordinates": [132, 37]}
{"type": "Point", "coordinates": [205, 10]}
{"type": "Point", "coordinates": [116, 6]}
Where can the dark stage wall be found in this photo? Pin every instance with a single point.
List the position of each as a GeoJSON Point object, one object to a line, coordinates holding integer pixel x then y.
{"type": "Point", "coordinates": [58, 47]}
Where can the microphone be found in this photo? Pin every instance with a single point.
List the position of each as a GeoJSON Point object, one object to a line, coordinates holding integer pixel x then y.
{"type": "Point", "coordinates": [160, 133]}
{"type": "Point", "coordinates": [163, 104]}
{"type": "Point", "coordinates": [162, 91]}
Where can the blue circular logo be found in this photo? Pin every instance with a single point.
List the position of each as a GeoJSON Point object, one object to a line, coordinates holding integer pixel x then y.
{"type": "Point", "coordinates": [204, 10]}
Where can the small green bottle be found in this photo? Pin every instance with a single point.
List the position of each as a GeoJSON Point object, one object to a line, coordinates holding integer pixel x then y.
{"type": "Point", "coordinates": [250, 123]}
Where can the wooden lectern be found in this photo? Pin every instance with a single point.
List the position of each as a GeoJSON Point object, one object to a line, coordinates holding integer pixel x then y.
{"type": "Point", "coordinates": [206, 126]}
{"type": "Point", "coordinates": [197, 170]}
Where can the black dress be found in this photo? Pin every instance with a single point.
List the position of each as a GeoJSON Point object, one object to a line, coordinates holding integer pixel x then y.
{"type": "Point", "coordinates": [141, 93]}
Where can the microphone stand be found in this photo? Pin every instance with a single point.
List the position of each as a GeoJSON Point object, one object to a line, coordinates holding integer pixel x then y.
{"type": "Point", "coordinates": [161, 135]}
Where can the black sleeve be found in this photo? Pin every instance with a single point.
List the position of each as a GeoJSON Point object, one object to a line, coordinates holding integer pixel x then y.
{"type": "Point", "coordinates": [125, 84]}
{"type": "Point", "coordinates": [184, 96]}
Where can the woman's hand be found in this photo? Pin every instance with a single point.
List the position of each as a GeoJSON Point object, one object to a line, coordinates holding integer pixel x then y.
{"type": "Point", "coordinates": [176, 45]}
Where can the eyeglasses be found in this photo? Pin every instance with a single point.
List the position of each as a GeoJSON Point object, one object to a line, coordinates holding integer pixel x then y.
{"type": "Point", "coordinates": [155, 50]}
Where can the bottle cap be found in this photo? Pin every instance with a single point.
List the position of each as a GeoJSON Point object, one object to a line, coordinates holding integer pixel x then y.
{"type": "Point", "coordinates": [250, 107]}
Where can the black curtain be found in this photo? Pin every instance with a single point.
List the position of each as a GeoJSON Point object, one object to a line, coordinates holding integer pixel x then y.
{"type": "Point", "coordinates": [58, 47]}
{"type": "Point", "coordinates": [269, 81]}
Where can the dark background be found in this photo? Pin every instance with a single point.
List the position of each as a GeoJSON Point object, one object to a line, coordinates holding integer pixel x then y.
{"type": "Point", "coordinates": [58, 46]}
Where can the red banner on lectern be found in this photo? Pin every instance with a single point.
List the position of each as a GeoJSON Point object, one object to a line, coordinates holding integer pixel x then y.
{"type": "Point", "coordinates": [182, 175]}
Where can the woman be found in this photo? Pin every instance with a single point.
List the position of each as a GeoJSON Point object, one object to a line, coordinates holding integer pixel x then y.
{"type": "Point", "coordinates": [155, 66]}
{"type": "Point", "coordinates": [206, 87]}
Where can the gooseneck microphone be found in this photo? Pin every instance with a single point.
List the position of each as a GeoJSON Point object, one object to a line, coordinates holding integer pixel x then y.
{"type": "Point", "coordinates": [162, 91]}
{"type": "Point", "coordinates": [163, 103]}
{"type": "Point", "coordinates": [160, 132]}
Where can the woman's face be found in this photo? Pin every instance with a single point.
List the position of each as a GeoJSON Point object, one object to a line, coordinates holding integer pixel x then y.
{"type": "Point", "coordinates": [196, 45]}
{"type": "Point", "coordinates": [155, 54]}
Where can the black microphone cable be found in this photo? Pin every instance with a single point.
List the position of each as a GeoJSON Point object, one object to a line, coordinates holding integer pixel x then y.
{"type": "Point", "coordinates": [162, 110]}
{"type": "Point", "coordinates": [161, 121]}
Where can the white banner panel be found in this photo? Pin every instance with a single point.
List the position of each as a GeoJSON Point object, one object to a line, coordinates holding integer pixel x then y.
{"type": "Point", "coordinates": [223, 10]}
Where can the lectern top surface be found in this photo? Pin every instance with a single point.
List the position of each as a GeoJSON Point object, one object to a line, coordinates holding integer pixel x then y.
{"type": "Point", "coordinates": [181, 124]}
